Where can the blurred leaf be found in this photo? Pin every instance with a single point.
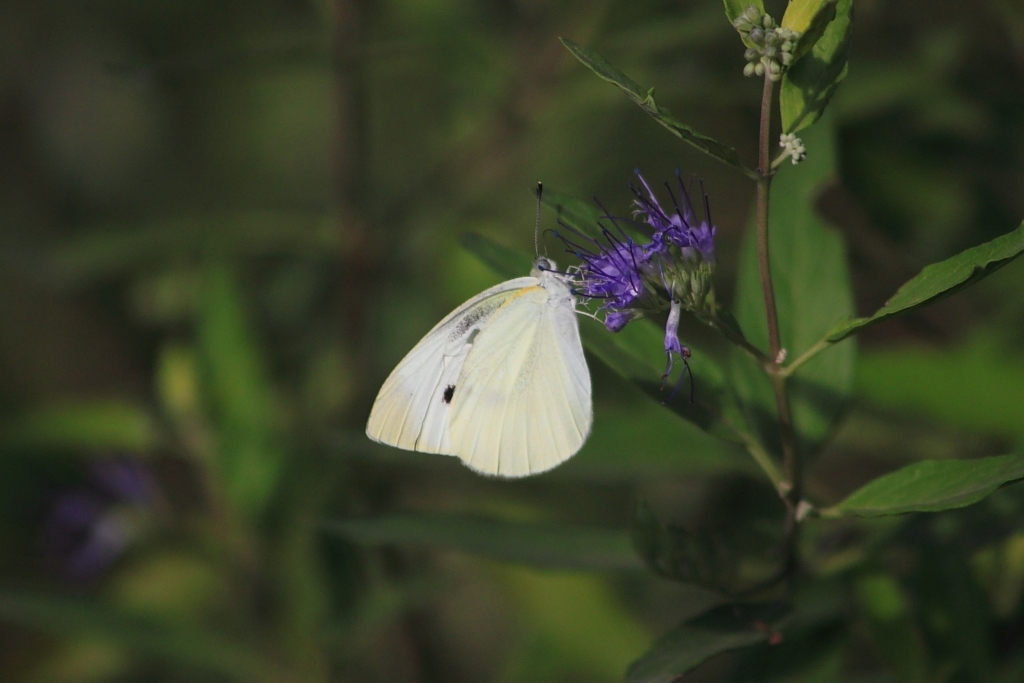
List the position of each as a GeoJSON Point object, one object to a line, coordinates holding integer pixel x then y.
{"type": "Point", "coordinates": [808, 85]}
{"type": "Point", "coordinates": [975, 385]}
{"type": "Point", "coordinates": [171, 585]}
{"type": "Point", "coordinates": [941, 279]}
{"type": "Point", "coordinates": [103, 251]}
{"type": "Point", "coordinates": [86, 660]}
{"type": "Point", "coordinates": [959, 620]}
{"type": "Point", "coordinates": [574, 627]}
{"type": "Point", "coordinates": [631, 352]}
{"type": "Point", "coordinates": [674, 553]}
{"type": "Point", "coordinates": [728, 627]}
{"type": "Point", "coordinates": [645, 99]}
{"type": "Point", "coordinates": [509, 263]}
{"type": "Point", "coordinates": [812, 290]}
{"type": "Point", "coordinates": [239, 391]}
{"type": "Point", "coordinates": [931, 486]}
{"type": "Point", "coordinates": [93, 426]}
{"type": "Point", "coordinates": [577, 214]}
{"type": "Point", "coordinates": [542, 545]}
{"type": "Point", "coordinates": [809, 18]}
{"type": "Point", "coordinates": [638, 439]}
{"type": "Point", "coordinates": [179, 646]}
{"type": "Point", "coordinates": [885, 609]}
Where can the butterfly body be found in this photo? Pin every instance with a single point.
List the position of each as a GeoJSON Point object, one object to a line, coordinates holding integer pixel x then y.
{"type": "Point", "coordinates": [501, 382]}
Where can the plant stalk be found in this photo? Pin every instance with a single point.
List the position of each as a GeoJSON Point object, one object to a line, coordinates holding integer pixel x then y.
{"type": "Point", "coordinates": [792, 487]}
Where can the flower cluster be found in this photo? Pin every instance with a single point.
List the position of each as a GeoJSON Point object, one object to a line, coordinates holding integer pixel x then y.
{"type": "Point", "coordinates": [655, 260]}
{"type": "Point", "coordinates": [792, 147]}
{"type": "Point", "coordinates": [772, 46]}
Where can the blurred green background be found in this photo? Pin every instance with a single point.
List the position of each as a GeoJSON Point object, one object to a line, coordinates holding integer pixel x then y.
{"type": "Point", "coordinates": [223, 223]}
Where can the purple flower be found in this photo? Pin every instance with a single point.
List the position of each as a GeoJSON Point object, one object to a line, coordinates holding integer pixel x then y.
{"type": "Point", "coordinates": [90, 527]}
{"type": "Point", "coordinates": [672, 270]}
{"type": "Point", "coordinates": [610, 273]}
{"type": "Point", "coordinates": [680, 229]}
{"type": "Point", "coordinates": [614, 274]}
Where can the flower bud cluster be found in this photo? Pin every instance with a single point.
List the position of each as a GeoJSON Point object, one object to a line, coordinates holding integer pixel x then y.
{"type": "Point", "coordinates": [792, 147]}
{"type": "Point", "coordinates": [772, 49]}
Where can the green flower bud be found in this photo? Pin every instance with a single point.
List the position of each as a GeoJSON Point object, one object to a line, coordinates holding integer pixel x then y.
{"type": "Point", "coordinates": [759, 69]}
{"type": "Point", "coordinates": [770, 52]}
{"type": "Point", "coordinates": [751, 54]}
{"type": "Point", "coordinates": [748, 69]}
{"type": "Point", "coordinates": [756, 36]}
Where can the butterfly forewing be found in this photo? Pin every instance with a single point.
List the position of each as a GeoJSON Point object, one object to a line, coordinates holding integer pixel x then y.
{"type": "Point", "coordinates": [523, 402]}
{"type": "Point", "coordinates": [412, 408]}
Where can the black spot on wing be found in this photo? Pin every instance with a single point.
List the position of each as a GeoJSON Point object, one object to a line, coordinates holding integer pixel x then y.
{"type": "Point", "coordinates": [449, 391]}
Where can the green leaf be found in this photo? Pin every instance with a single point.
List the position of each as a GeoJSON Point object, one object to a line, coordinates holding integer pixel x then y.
{"type": "Point", "coordinates": [92, 426]}
{"type": "Point", "coordinates": [240, 392]}
{"type": "Point", "coordinates": [809, 18]}
{"type": "Point", "coordinates": [645, 98]}
{"type": "Point", "coordinates": [179, 645]}
{"type": "Point", "coordinates": [812, 289]}
{"type": "Point", "coordinates": [941, 279]}
{"type": "Point", "coordinates": [808, 85]}
{"type": "Point", "coordinates": [734, 8]}
{"type": "Point", "coordinates": [931, 486]}
{"type": "Point", "coordinates": [536, 544]}
{"type": "Point", "coordinates": [733, 626]}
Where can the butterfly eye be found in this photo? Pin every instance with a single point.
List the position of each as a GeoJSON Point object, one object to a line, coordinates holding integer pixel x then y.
{"type": "Point", "coordinates": [544, 264]}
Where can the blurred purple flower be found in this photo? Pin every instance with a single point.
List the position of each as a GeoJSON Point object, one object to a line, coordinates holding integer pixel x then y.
{"type": "Point", "coordinates": [90, 527]}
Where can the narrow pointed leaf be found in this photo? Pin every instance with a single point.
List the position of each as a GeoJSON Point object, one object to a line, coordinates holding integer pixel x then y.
{"type": "Point", "coordinates": [941, 279]}
{"type": "Point", "coordinates": [240, 391]}
{"type": "Point", "coordinates": [645, 99]}
{"type": "Point", "coordinates": [540, 545]}
{"type": "Point", "coordinates": [808, 85]}
{"type": "Point", "coordinates": [931, 486]}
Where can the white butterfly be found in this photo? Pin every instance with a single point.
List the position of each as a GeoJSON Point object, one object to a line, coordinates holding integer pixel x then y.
{"type": "Point", "coordinates": [501, 382]}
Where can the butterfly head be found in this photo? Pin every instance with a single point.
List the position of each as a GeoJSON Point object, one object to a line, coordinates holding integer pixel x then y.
{"type": "Point", "coordinates": [543, 265]}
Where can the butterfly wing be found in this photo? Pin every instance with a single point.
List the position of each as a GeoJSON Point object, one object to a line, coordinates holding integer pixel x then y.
{"type": "Point", "coordinates": [413, 406]}
{"type": "Point", "coordinates": [522, 403]}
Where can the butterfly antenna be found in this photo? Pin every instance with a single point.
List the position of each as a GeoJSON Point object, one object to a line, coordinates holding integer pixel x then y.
{"type": "Point", "coordinates": [536, 225]}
